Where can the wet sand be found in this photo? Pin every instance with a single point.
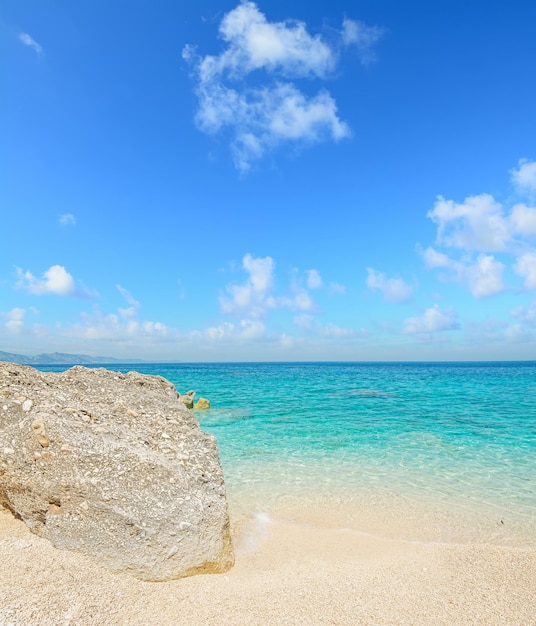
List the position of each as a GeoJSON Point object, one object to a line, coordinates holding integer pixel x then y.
{"type": "Point", "coordinates": [293, 566]}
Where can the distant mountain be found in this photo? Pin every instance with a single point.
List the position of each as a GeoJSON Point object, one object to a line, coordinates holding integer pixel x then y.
{"type": "Point", "coordinates": [61, 358]}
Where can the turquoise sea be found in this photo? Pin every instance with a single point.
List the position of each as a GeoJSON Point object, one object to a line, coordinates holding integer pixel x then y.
{"type": "Point", "coordinates": [454, 443]}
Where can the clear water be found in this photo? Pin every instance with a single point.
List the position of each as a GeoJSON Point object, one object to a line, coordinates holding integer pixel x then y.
{"type": "Point", "coordinates": [462, 435]}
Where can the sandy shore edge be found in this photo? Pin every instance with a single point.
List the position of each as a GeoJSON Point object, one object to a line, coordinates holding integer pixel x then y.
{"type": "Point", "coordinates": [286, 572]}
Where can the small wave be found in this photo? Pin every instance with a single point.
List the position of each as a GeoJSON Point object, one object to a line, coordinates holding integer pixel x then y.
{"type": "Point", "coordinates": [254, 533]}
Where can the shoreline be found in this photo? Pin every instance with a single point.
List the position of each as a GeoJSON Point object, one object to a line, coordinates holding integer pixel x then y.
{"type": "Point", "coordinates": [412, 517]}
{"type": "Point", "coordinates": [294, 565]}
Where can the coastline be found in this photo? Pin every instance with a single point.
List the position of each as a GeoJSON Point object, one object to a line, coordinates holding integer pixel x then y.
{"type": "Point", "coordinates": [406, 516]}
{"type": "Point", "coordinates": [373, 511]}
{"type": "Point", "coordinates": [297, 564]}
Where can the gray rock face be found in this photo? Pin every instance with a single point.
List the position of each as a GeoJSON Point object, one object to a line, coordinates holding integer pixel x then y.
{"type": "Point", "coordinates": [114, 466]}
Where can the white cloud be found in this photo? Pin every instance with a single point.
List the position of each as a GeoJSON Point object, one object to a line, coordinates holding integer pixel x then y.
{"type": "Point", "coordinates": [56, 280]}
{"type": "Point", "coordinates": [15, 320]}
{"type": "Point", "coordinates": [392, 289]}
{"type": "Point", "coordinates": [66, 219]}
{"type": "Point", "coordinates": [314, 280]}
{"type": "Point", "coordinates": [102, 331]}
{"type": "Point", "coordinates": [130, 312]}
{"type": "Point", "coordinates": [523, 220]}
{"type": "Point", "coordinates": [251, 298]}
{"type": "Point", "coordinates": [260, 272]}
{"type": "Point", "coordinates": [301, 300]}
{"type": "Point", "coordinates": [525, 328]}
{"type": "Point", "coordinates": [356, 33]}
{"type": "Point", "coordinates": [526, 266]}
{"type": "Point", "coordinates": [245, 330]}
{"type": "Point", "coordinates": [310, 325]}
{"type": "Point", "coordinates": [287, 342]}
{"type": "Point", "coordinates": [262, 119]}
{"type": "Point", "coordinates": [331, 330]}
{"type": "Point", "coordinates": [476, 224]}
{"type": "Point", "coordinates": [481, 225]}
{"type": "Point", "coordinates": [526, 315]}
{"type": "Point", "coordinates": [128, 297]}
{"type": "Point", "coordinates": [248, 89]}
{"type": "Point", "coordinates": [255, 43]}
{"type": "Point", "coordinates": [154, 328]}
{"type": "Point", "coordinates": [433, 320]}
{"type": "Point", "coordinates": [293, 116]}
{"type": "Point", "coordinates": [524, 177]}
{"type": "Point", "coordinates": [482, 275]}
{"type": "Point", "coordinates": [337, 289]}
{"type": "Point", "coordinates": [433, 259]}
{"type": "Point", "coordinates": [29, 41]}
{"type": "Point", "coordinates": [485, 276]}
{"type": "Point", "coordinates": [254, 297]}
{"type": "Point", "coordinates": [116, 328]}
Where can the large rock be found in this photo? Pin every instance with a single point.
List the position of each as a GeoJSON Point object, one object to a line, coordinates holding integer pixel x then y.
{"type": "Point", "coordinates": [114, 466]}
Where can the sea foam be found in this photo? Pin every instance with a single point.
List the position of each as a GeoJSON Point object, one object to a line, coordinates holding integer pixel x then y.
{"type": "Point", "coordinates": [253, 534]}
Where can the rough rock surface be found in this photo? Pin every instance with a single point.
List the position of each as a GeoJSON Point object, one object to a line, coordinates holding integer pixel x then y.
{"type": "Point", "coordinates": [115, 466]}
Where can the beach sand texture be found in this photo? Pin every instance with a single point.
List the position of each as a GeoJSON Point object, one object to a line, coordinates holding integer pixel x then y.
{"type": "Point", "coordinates": [286, 572]}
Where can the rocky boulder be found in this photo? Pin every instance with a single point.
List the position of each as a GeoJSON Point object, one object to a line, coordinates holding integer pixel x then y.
{"type": "Point", "coordinates": [187, 399]}
{"type": "Point", "coordinates": [115, 466]}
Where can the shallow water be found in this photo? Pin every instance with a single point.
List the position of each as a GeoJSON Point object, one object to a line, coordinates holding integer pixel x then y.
{"type": "Point", "coordinates": [457, 437]}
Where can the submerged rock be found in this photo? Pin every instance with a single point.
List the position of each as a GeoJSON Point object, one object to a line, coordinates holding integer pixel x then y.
{"type": "Point", "coordinates": [113, 465]}
{"type": "Point", "coordinates": [202, 403]}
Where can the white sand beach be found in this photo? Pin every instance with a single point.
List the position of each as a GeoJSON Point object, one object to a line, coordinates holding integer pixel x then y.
{"type": "Point", "coordinates": [290, 568]}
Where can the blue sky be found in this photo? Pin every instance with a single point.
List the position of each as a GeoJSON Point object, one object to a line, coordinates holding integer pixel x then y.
{"type": "Point", "coordinates": [268, 181]}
